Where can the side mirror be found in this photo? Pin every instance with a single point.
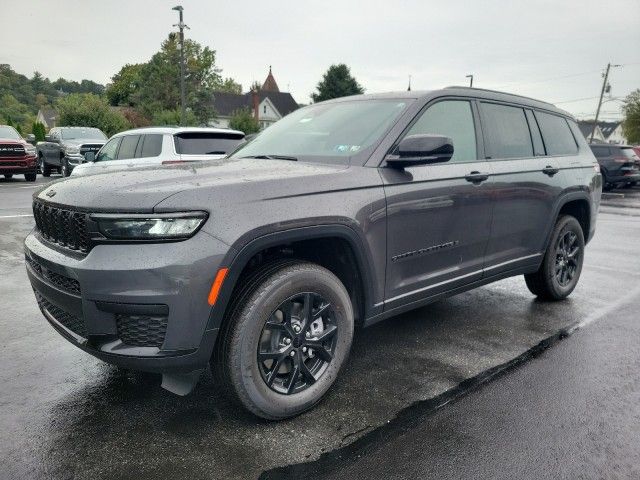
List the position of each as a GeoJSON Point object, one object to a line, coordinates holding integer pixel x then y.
{"type": "Point", "coordinates": [421, 150]}
{"type": "Point", "coordinates": [47, 138]}
{"type": "Point", "coordinates": [90, 156]}
{"type": "Point", "coordinates": [31, 138]}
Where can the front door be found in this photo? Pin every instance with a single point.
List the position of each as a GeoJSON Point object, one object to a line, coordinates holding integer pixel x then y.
{"type": "Point", "coordinates": [438, 215]}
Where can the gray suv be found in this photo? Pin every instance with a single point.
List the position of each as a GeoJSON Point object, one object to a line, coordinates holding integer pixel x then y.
{"type": "Point", "coordinates": [342, 214]}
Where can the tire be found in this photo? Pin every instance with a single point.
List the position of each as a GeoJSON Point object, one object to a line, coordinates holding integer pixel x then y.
{"type": "Point", "coordinates": [64, 169]}
{"type": "Point", "coordinates": [44, 168]}
{"type": "Point", "coordinates": [8, 176]}
{"type": "Point", "coordinates": [235, 362]}
{"type": "Point", "coordinates": [30, 177]}
{"type": "Point", "coordinates": [548, 282]}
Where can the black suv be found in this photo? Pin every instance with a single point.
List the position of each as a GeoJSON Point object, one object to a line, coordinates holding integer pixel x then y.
{"type": "Point", "coordinates": [342, 214]}
{"type": "Point", "coordinates": [619, 165]}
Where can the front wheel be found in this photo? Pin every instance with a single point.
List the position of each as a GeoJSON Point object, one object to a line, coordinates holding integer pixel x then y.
{"type": "Point", "coordinates": [287, 338]}
{"type": "Point", "coordinates": [30, 177]}
{"type": "Point", "coordinates": [562, 264]}
{"type": "Point", "coordinates": [44, 168]}
{"type": "Point", "coordinates": [65, 170]}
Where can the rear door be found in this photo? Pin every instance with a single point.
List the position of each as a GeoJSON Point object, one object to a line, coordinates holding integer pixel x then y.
{"type": "Point", "coordinates": [438, 215]}
{"type": "Point", "coordinates": [526, 183]}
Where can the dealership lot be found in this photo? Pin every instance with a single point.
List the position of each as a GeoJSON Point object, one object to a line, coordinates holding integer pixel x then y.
{"type": "Point", "coordinates": [65, 414]}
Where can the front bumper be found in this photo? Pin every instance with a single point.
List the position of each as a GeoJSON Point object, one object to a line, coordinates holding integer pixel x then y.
{"type": "Point", "coordinates": [74, 160]}
{"type": "Point", "coordinates": [18, 165]}
{"type": "Point", "coordinates": [160, 289]}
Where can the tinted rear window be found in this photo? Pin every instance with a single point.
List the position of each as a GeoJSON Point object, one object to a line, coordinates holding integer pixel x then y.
{"type": "Point", "coordinates": [206, 143]}
{"type": "Point", "coordinates": [556, 134]}
{"type": "Point", "coordinates": [128, 147]}
{"type": "Point", "coordinates": [507, 131]}
{"type": "Point", "coordinates": [600, 151]}
{"type": "Point", "coordinates": [151, 146]}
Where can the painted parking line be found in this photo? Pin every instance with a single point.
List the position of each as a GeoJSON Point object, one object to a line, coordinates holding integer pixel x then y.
{"type": "Point", "coordinates": [16, 216]}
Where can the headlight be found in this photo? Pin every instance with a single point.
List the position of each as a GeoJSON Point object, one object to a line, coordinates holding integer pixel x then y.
{"type": "Point", "coordinates": [173, 226]}
{"type": "Point", "coordinates": [30, 149]}
{"type": "Point", "coordinates": [72, 149]}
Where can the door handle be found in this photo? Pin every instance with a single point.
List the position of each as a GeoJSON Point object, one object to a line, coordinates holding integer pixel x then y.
{"type": "Point", "coordinates": [549, 170]}
{"type": "Point", "coordinates": [476, 177]}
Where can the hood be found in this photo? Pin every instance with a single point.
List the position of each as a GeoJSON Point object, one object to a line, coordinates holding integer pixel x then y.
{"type": "Point", "coordinates": [82, 141]}
{"type": "Point", "coordinates": [13, 141]}
{"type": "Point", "coordinates": [140, 189]}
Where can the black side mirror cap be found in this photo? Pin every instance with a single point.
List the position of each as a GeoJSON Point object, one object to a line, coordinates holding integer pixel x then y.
{"type": "Point", "coordinates": [47, 138]}
{"type": "Point", "coordinates": [90, 156]}
{"type": "Point", "coordinates": [421, 149]}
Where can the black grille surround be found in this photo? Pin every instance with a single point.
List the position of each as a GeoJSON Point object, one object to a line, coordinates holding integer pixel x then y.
{"type": "Point", "coordinates": [90, 147]}
{"type": "Point", "coordinates": [141, 330]}
{"type": "Point", "coordinates": [63, 282]}
{"type": "Point", "coordinates": [63, 226]}
{"type": "Point", "coordinates": [67, 320]}
{"type": "Point", "coordinates": [11, 150]}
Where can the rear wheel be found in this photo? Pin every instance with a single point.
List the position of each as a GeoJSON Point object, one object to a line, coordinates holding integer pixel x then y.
{"type": "Point", "coordinates": [30, 177]}
{"type": "Point", "coordinates": [286, 339]}
{"type": "Point", "coordinates": [562, 264]}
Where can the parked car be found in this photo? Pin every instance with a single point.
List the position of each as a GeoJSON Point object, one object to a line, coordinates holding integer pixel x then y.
{"type": "Point", "coordinates": [343, 213]}
{"type": "Point", "coordinates": [65, 148]}
{"type": "Point", "coordinates": [619, 164]}
{"type": "Point", "coordinates": [17, 157]}
{"type": "Point", "coordinates": [158, 145]}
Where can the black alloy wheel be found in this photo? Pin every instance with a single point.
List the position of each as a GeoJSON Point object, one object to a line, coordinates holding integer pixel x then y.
{"type": "Point", "coordinates": [567, 258]}
{"type": "Point", "coordinates": [297, 343]}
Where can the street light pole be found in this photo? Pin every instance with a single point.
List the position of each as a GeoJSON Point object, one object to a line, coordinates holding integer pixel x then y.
{"type": "Point", "coordinates": [470, 81]}
{"type": "Point", "coordinates": [181, 26]}
{"type": "Point", "coordinates": [604, 88]}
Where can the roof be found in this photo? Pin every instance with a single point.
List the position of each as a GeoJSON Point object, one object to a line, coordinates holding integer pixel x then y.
{"type": "Point", "coordinates": [461, 91]}
{"type": "Point", "coordinates": [49, 115]}
{"type": "Point", "coordinates": [177, 130]}
{"type": "Point", "coordinates": [225, 103]}
{"type": "Point", "coordinates": [608, 127]}
{"type": "Point", "coordinates": [270, 84]}
{"type": "Point", "coordinates": [586, 127]}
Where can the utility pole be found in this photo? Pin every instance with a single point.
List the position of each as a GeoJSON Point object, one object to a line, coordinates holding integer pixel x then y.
{"type": "Point", "coordinates": [470, 77]}
{"type": "Point", "coordinates": [181, 26]}
{"type": "Point", "coordinates": [604, 88]}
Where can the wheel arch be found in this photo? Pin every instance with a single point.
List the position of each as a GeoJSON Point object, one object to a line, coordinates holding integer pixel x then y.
{"type": "Point", "coordinates": [239, 258]}
{"type": "Point", "coordinates": [576, 204]}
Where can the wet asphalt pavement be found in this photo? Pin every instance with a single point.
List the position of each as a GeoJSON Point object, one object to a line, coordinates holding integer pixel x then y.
{"type": "Point", "coordinates": [452, 390]}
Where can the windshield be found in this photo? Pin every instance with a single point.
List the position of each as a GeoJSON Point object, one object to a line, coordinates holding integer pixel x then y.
{"type": "Point", "coordinates": [330, 131]}
{"type": "Point", "coordinates": [9, 132]}
{"type": "Point", "coordinates": [206, 143]}
{"type": "Point", "coordinates": [77, 133]}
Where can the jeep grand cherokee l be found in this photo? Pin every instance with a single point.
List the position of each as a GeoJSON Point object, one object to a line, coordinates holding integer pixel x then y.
{"type": "Point", "coordinates": [17, 157]}
{"type": "Point", "coordinates": [343, 213]}
{"type": "Point", "coordinates": [160, 145]}
{"type": "Point", "coordinates": [65, 148]}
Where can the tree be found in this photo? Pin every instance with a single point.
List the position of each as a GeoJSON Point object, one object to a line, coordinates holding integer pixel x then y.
{"type": "Point", "coordinates": [244, 121]}
{"type": "Point", "coordinates": [39, 131]}
{"type": "Point", "coordinates": [631, 122]}
{"type": "Point", "coordinates": [90, 110]}
{"type": "Point", "coordinates": [124, 84]}
{"type": "Point", "coordinates": [153, 88]}
{"type": "Point", "coordinates": [336, 82]}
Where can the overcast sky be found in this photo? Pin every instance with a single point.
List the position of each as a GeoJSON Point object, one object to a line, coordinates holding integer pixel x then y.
{"type": "Point", "coordinates": [554, 50]}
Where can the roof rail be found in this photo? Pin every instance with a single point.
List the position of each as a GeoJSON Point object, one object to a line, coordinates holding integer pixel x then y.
{"type": "Point", "coordinates": [498, 91]}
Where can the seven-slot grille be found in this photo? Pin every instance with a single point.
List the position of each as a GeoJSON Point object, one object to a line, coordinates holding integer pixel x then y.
{"type": "Point", "coordinates": [11, 150]}
{"type": "Point", "coordinates": [73, 323]}
{"type": "Point", "coordinates": [62, 282]}
{"type": "Point", "coordinates": [67, 228]}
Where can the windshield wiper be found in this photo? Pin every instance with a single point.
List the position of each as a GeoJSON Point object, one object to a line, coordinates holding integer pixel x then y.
{"type": "Point", "coordinates": [273, 157]}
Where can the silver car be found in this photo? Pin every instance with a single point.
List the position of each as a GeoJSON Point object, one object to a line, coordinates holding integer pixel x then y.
{"type": "Point", "coordinates": [160, 145]}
